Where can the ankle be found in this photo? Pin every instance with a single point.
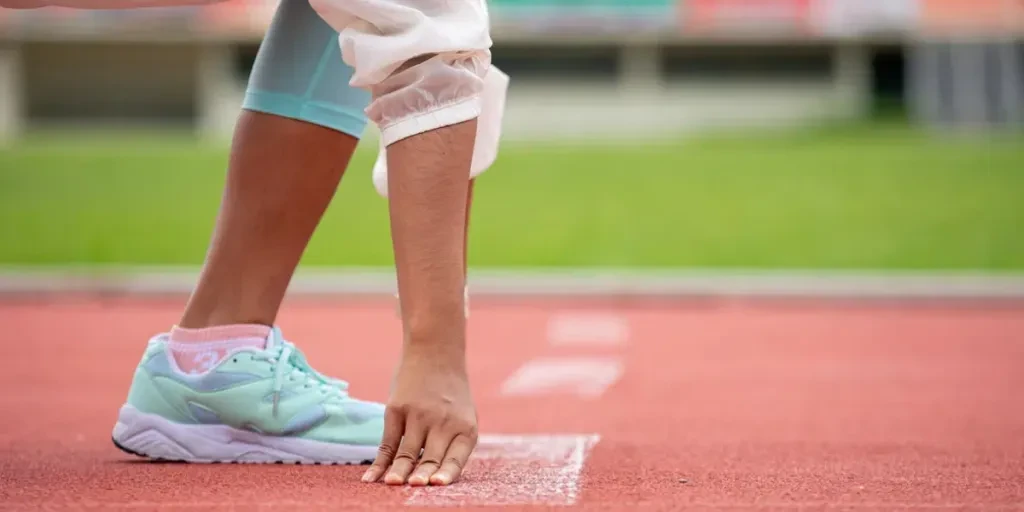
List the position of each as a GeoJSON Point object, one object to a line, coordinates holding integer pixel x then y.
{"type": "Point", "coordinates": [197, 351]}
{"type": "Point", "coordinates": [219, 333]}
{"type": "Point", "coordinates": [199, 319]}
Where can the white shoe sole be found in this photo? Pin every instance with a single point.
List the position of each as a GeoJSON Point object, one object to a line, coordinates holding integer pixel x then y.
{"type": "Point", "coordinates": [149, 435]}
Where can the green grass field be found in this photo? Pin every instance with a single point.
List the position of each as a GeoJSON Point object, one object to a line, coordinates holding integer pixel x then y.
{"type": "Point", "coordinates": [877, 198]}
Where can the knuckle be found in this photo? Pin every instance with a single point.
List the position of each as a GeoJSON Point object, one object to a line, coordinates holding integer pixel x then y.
{"type": "Point", "coordinates": [445, 417]}
{"type": "Point", "coordinates": [429, 461]}
{"type": "Point", "coordinates": [417, 414]}
{"type": "Point", "coordinates": [463, 426]}
{"type": "Point", "coordinates": [399, 408]}
{"type": "Point", "coordinates": [406, 454]}
{"type": "Point", "coordinates": [426, 416]}
{"type": "Point", "coordinates": [386, 451]}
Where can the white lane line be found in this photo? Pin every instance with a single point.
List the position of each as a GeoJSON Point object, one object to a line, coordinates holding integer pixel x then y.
{"type": "Point", "coordinates": [586, 377]}
{"type": "Point", "coordinates": [587, 329]}
{"type": "Point", "coordinates": [517, 470]}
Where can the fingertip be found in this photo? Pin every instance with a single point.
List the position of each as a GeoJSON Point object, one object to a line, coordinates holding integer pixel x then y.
{"type": "Point", "coordinates": [394, 479]}
{"type": "Point", "coordinates": [418, 480]}
{"type": "Point", "coordinates": [440, 479]}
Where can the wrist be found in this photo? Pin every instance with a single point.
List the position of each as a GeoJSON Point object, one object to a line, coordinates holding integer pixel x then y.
{"type": "Point", "coordinates": [447, 342]}
{"type": "Point", "coordinates": [437, 339]}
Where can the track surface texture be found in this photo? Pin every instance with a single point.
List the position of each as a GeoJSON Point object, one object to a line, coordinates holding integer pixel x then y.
{"type": "Point", "coordinates": [660, 406]}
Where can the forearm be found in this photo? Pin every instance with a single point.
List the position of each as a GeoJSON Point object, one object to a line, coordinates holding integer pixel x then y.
{"type": "Point", "coordinates": [425, 63]}
{"type": "Point", "coordinates": [428, 188]}
{"type": "Point", "coordinates": [465, 237]}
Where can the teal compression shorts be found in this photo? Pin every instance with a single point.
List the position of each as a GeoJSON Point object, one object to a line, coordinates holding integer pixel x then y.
{"type": "Point", "coordinates": [299, 73]}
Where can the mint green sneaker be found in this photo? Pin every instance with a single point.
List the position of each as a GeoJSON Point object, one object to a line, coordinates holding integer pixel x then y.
{"type": "Point", "coordinates": [256, 406]}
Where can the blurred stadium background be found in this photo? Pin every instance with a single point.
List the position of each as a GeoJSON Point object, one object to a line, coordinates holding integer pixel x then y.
{"type": "Point", "coordinates": [678, 134]}
{"type": "Point", "coordinates": [689, 150]}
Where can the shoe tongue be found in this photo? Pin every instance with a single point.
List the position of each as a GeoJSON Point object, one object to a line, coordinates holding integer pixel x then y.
{"type": "Point", "coordinates": [274, 340]}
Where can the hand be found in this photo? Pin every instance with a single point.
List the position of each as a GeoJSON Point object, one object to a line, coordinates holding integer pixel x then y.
{"type": "Point", "coordinates": [430, 409]}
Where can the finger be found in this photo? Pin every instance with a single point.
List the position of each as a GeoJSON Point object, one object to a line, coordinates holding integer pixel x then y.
{"type": "Point", "coordinates": [437, 445]}
{"type": "Point", "coordinates": [394, 424]}
{"type": "Point", "coordinates": [407, 455]}
{"type": "Point", "coordinates": [454, 460]}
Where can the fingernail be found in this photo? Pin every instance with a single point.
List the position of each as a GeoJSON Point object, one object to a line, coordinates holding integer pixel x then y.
{"type": "Point", "coordinates": [418, 480]}
{"type": "Point", "coordinates": [439, 480]}
{"type": "Point", "coordinates": [368, 476]}
{"type": "Point", "coordinates": [393, 479]}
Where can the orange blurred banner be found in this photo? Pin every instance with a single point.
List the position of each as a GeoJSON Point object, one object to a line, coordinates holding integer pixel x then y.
{"type": "Point", "coordinates": [972, 15]}
{"type": "Point", "coordinates": [704, 16]}
{"type": "Point", "coordinates": [239, 16]}
{"type": "Point", "coordinates": [701, 17]}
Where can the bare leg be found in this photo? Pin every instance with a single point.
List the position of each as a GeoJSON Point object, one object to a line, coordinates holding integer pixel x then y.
{"type": "Point", "coordinates": [282, 175]}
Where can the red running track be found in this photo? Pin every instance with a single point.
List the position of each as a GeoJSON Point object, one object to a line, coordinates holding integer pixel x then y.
{"type": "Point", "coordinates": [735, 406]}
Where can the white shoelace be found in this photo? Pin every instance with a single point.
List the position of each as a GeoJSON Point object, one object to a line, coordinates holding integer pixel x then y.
{"type": "Point", "coordinates": [289, 363]}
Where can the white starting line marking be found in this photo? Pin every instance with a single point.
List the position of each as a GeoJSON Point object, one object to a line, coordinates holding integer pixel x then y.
{"type": "Point", "coordinates": [587, 377]}
{"type": "Point", "coordinates": [517, 470]}
{"type": "Point", "coordinates": [597, 329]}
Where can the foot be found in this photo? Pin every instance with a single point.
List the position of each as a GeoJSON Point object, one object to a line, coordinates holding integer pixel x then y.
{"type": "Point", "coordinates": [256, 406]}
